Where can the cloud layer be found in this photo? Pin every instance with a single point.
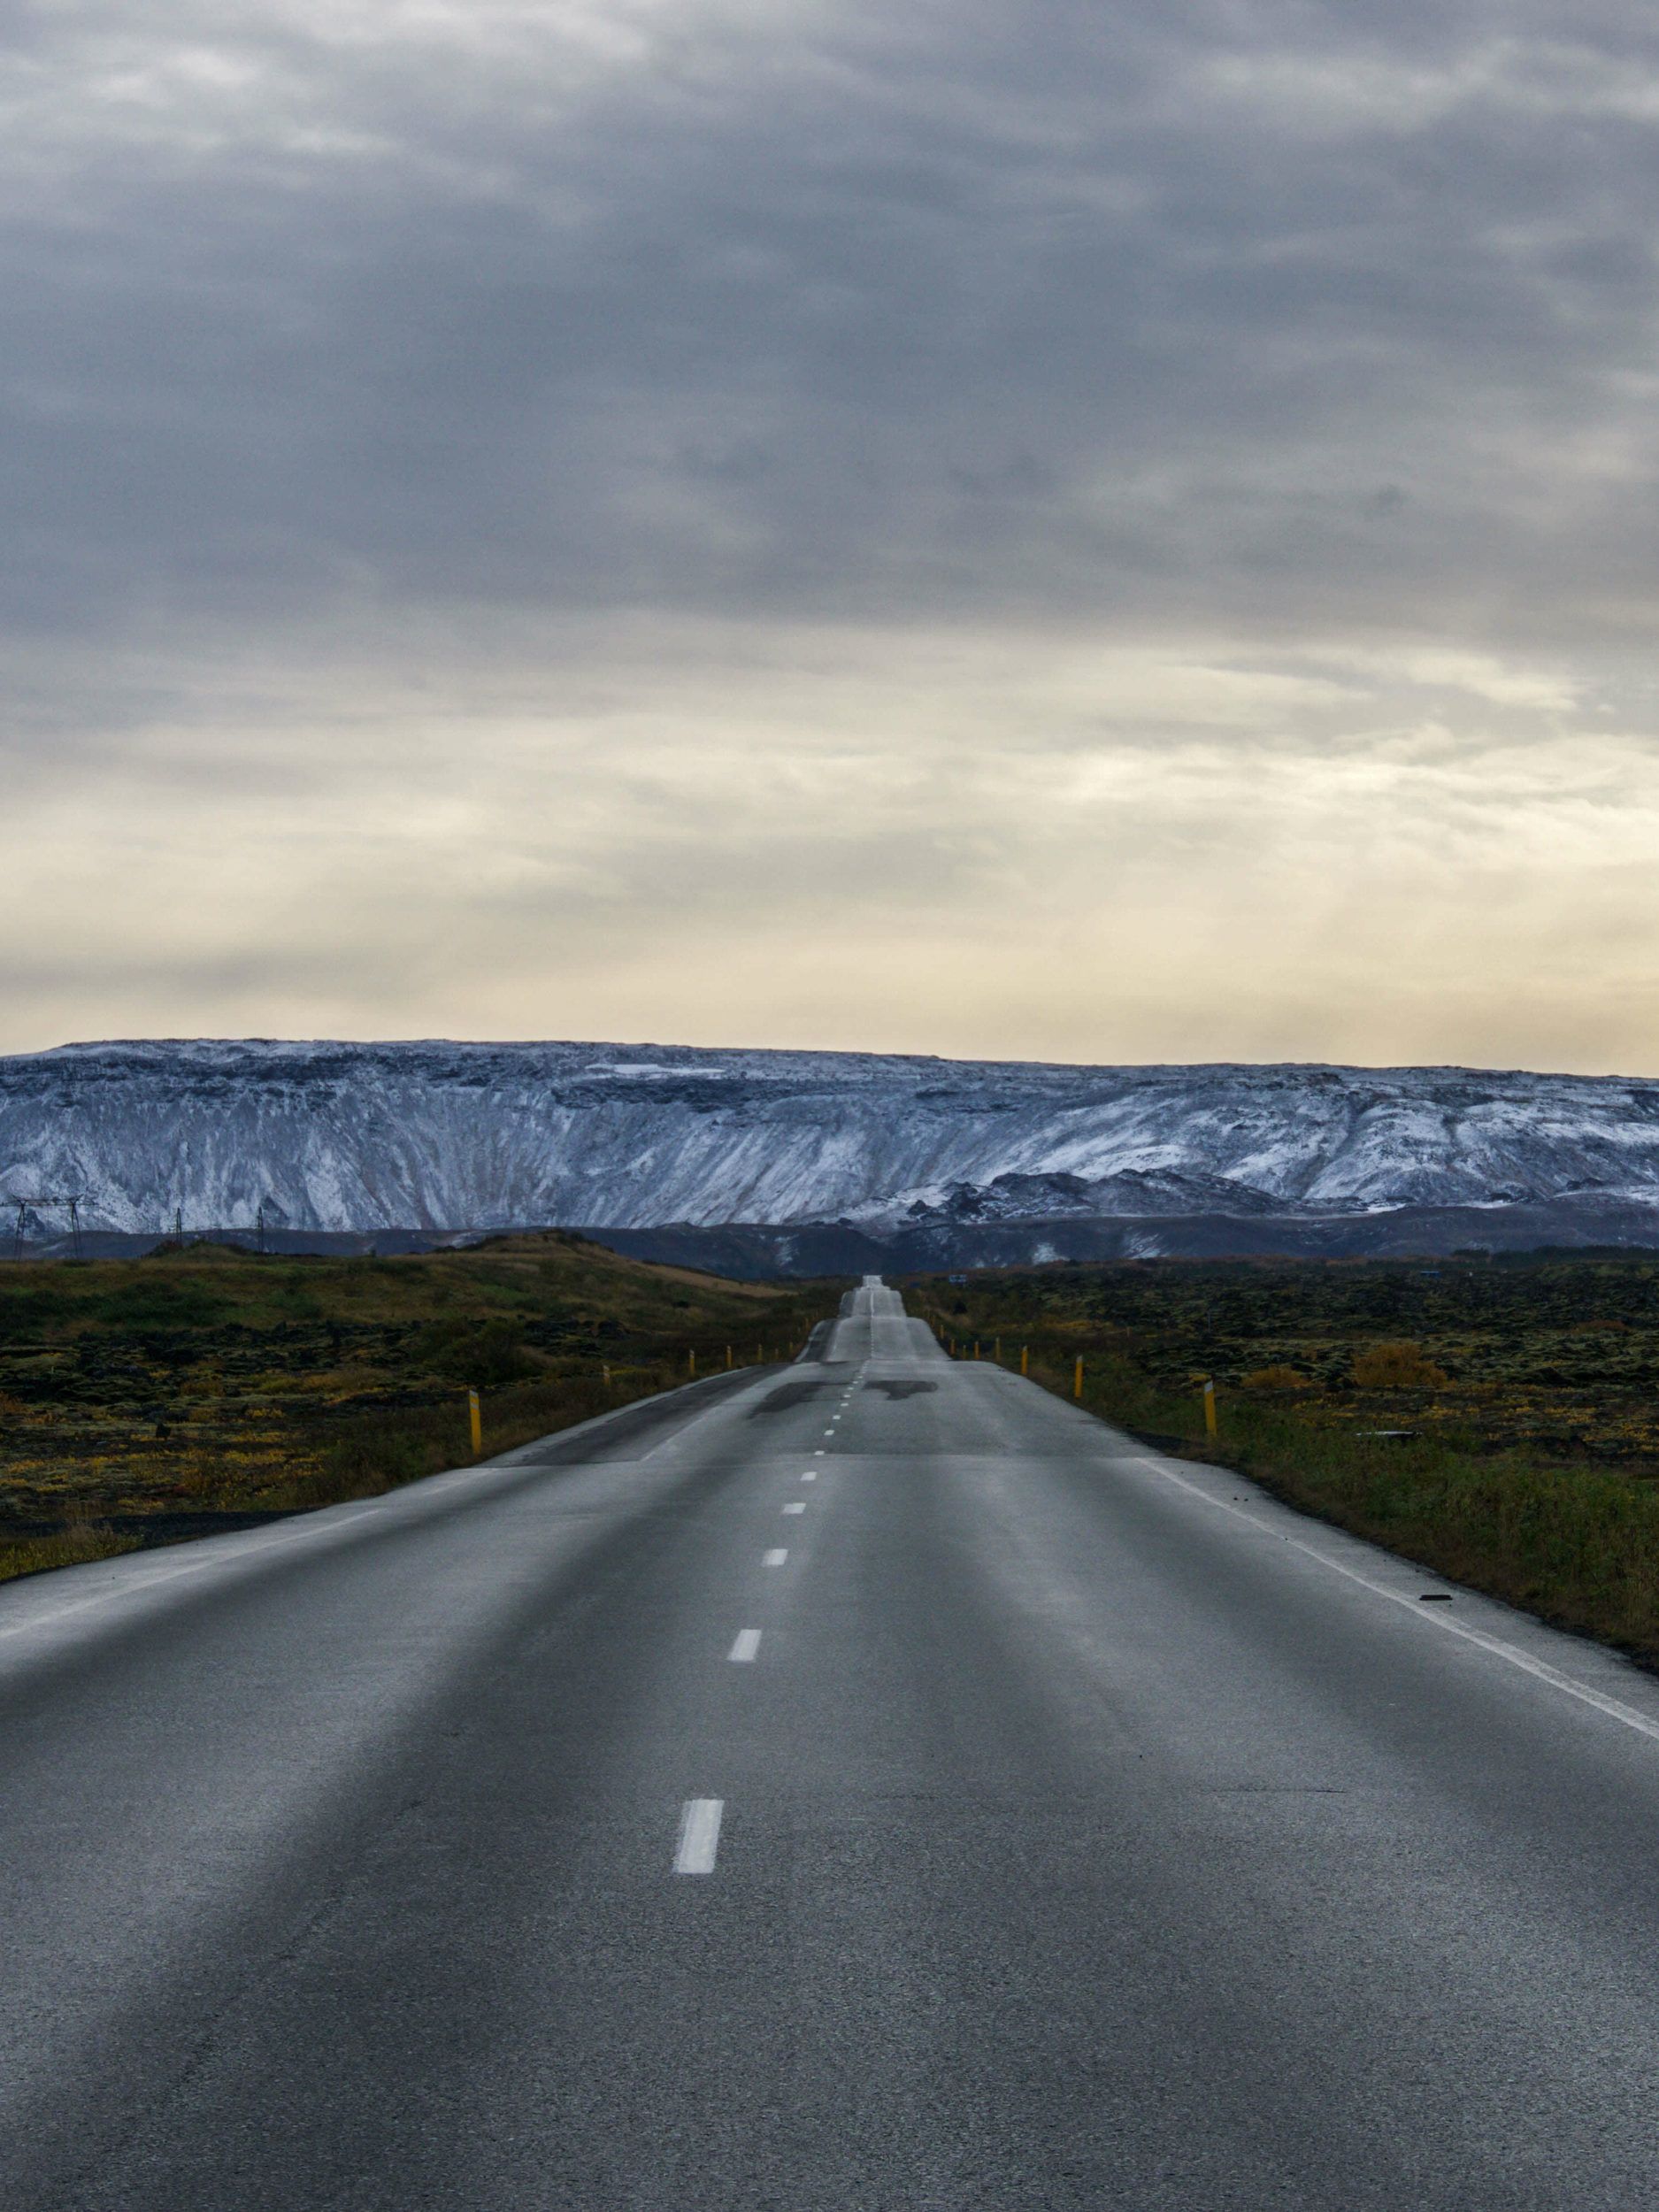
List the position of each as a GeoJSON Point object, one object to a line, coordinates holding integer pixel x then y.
{"type": "Point", "coordinates": [1001, 528]}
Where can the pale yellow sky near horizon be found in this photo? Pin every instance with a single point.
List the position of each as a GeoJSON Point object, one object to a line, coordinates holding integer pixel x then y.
{"type": "Point", "coordinates": [1009, 845]}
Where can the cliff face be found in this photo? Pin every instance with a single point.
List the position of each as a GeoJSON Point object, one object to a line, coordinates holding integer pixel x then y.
{"type": "Point", "coordinates": [942, 1155]}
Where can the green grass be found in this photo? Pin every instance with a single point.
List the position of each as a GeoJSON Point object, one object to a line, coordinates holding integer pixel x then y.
{"type": "Point", "coordinates": [73, 1546]}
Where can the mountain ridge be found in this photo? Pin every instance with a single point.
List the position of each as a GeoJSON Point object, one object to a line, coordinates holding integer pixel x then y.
{"type": "Point", "coordinates": [446, 1136]}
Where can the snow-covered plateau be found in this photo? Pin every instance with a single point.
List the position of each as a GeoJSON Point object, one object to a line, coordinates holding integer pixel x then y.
{"type": "Point", "coordinates": [762, 1161]}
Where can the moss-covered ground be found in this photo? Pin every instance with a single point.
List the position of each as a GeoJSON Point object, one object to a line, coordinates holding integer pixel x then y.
{"type": "Point", "coordinates": [141, 1397]}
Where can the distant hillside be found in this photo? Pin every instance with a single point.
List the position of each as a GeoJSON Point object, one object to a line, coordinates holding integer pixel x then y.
{"type": "Point", "coordinates": [769, 1162]}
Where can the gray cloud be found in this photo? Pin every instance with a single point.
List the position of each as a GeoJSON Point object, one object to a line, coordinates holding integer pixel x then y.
{"type": "Point", "coordinates": [1286, 314]}
{"type": "Point", "coordinates": [501, 494]}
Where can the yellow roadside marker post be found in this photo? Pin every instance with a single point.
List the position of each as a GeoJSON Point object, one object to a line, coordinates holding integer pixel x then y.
{"type": "Point", "coordinates": [1209, 1411]}
{"type": "Point", "coordinates": [997, 1350]}
{"type": "Point", "coordinates": [976, 1347]}
{"type": "Point", "coordinates": [477, 1420]}
{"type": "Point", "coordinates": [728, 1356]}
{"type": "Point", "coordinates": [605, 1366]}
{"type": "Point", "coordinates": [1025, 1359]}
{"type": "Point", "coordinates": [1076, 1378]}
{"type": "Point", "coordinates": [691, 1361]}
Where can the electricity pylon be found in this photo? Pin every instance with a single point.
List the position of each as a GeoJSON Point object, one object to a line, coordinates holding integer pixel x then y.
{"type": "Point", "coordinates": [27, 1206]}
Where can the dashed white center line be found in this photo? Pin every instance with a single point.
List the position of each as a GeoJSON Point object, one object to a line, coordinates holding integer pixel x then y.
{"type": "Point", "coordinates": [747, 1645]}
{"type": "Point", "coordinates": [796, 1507]}
{"type": "Point", "coordinates": [775, 1558]}
{"type": "Point", "coordinates": [818, 1452]}
{"type": "Point", "coordinates": [811, 1475]}
{"type": "Point", "coordinates": [699, 1835]}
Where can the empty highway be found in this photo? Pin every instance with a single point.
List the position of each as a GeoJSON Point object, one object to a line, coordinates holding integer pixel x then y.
{"type": "Point", "coordinates": [872, 1783]}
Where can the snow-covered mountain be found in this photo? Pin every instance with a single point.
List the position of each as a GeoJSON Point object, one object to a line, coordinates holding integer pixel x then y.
{"type": "Point", "coordinates": [946, 1158]}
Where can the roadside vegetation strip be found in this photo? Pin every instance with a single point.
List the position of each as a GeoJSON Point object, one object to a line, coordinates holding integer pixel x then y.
{"type": "Point", "coordinates": [161, 1390]}
{"type": "Point", "coordinates": [73, 1546]}
{"type": "Point", "coordinates": [1402, 1432]}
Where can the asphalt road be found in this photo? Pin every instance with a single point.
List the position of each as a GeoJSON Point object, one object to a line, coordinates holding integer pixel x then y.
{"type": "Point", "coordinates": [867, 1784]}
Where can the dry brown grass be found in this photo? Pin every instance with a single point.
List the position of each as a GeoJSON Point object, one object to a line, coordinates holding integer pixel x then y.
{"type": "Point", "coordinates": [1398, 1367]}
{"type": "Point", "coordinates": [1275, 1379]}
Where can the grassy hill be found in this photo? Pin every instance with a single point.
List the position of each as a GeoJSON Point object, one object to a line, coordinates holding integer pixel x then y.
{"type": "Point", "coordinates": [148, 1398]}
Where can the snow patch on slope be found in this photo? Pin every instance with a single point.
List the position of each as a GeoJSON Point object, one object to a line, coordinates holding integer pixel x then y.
{"type": "Point", "coordinates": [458, 1136]}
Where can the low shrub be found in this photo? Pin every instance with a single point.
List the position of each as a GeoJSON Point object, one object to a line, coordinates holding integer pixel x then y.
{"type": "Point", "coordinates": [1398, 1367]}
{"type": "Point", "coordinates": [482, 1354]}
{"type": "Point", "coordinates": [1275, 1379]}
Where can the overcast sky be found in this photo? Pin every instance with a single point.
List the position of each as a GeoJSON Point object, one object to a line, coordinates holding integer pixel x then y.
{"type": "Point", "coordinates": [1082, 531]}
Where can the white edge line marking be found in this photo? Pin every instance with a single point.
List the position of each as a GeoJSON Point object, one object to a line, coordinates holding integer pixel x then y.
{"type": "Point", "coordinates": [798, 1507]}
{"type": "Point", "coordinates": [775, 1558]}
{"type": "Point", "coordinates": [745, 1646]}
{"type": "Point", "coordinates": [811, 1475]}
{"type": "Point", "coordinates": [1538, 1668]}
{"type": "Point", "coordinates": [699, 1835]}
